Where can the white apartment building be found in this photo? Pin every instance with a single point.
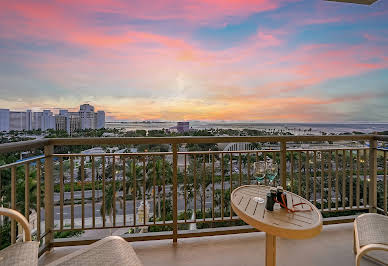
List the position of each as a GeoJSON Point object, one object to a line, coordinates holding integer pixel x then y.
{"type": "Point", "coordinates": [43, 120]}
{"type": "Point", "coordinates": [19, 120]}
{"type": "Point", "coordinates": [48, 120]}
{"type": "Point", "coordinates": [85, 118]}
{"type": "Point", "coordinates": [4, 120]}
{"type": "Point", "coordinates": [87, 115]}
{"type": "Point", "coordinates": [100, 117]}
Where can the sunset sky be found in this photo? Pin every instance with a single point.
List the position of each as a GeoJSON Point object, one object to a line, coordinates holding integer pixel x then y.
{"type": "Point", "coordinates": [252, 60]}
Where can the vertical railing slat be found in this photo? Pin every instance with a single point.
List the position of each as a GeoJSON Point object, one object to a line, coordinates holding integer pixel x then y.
{"type": "Point", "coordinates": [336, 180]}
{"type": "Point", "coordinates": [195, 185]}
{"type": "Point", "coordinates": [322, 180]}
{"type": "Point", "coordinates": [358, 180]}
{"type": "Point", "coordinates": [240, 168]}
{"type": "Point", "coordinates": [329, 177]}
{"type": "Point", "coordinates": [307, 166]}
{"type": "Point", "coordinates": [222, 186]}
{"type": "Point", "coordinates": [231, 184]}
{"type": "Point", "coordinates": [93, 192]}
{"type": "Point", "coordinates": [213, 166]}
{"type": "Point", "coordinates": [72, 192]}
{"type": "Point", "coordinates": [351, 179]}
{"type": "Point", "coordinates": [249, 169]}
{"type": "Point", "coordinates": [134, 189]}
{"type": "Point", "coordinates": [124, 184]}
{"type": "Point", "coordinates": [144, 190]}
{"type": "Point", "coordinates": [185, 187]}
{"type": "Point", "coordinates": [154, 188]}
{"type": "Point", "coordinates": [385, 182]}
{"type": "Point", "coordinates": [300, 174]}
{"type": "Point", "coordinates": [365, 198]}
{"type": "Point", "coordinates": [61, 193]}
{"type": "Point", "coordinates": [27, 191]}
{"type": "Point", "coordinates": [103, 192]}
{"type": "Point", "coordinates": [38, 195]}
{"type": "Point", "coordinates": [114, 189]}
{"type": "Point", "coordinates": [164, 187]}
{"type": "Point", "coordinates": [315, 179]}
{"type": "Point", "coordinates": [343, 179]}
{"type": "Point", "coordinates": [175, 192]}
{"type": "Point", "coordinates": [83, 192]}
{"type": "Point", "coordinates": [291, 170]}
{"type": "Point", "coordinates": [265, 160]}
{"type": "Point", "coordinates": [204, 188]}
{"type": "Point", "coordinates": [283, 164]}
{"type": "Point", "coordinates": [13, 203]}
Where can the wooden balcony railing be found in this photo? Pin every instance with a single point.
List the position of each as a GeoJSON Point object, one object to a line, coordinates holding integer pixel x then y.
{"type": "Point", "coordinates": [103, 191]}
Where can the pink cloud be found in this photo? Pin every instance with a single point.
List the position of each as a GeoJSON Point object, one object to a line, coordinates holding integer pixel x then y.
{"type": "Point", "coordinates": [137, 65]}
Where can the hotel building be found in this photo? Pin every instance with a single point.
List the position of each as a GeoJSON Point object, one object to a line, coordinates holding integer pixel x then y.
{"type": "Point", "coordinates": [85, 118]}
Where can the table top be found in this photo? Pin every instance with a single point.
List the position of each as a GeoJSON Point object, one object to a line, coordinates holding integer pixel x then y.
{"type": "Point", "coordinates": [279, 222]}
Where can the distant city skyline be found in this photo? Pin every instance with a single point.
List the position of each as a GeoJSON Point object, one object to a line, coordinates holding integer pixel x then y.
{"type": "Point", "coordinates": [180, 60]}
{"type": "Point", "coordinates": [84, 118]}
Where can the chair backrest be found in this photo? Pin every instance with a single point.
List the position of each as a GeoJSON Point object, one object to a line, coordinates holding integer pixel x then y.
{"type": "Point", "coordinates": [18, 217]}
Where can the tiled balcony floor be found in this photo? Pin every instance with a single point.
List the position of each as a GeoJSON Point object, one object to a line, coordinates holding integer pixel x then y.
{"type": "Point", "coordinates": [334, 246]}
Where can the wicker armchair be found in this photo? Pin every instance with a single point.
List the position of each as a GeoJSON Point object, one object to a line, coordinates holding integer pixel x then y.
{"type": "Point", "coordinates": [112, 250]}
{"type": "Point", "coordinates": [370, 233]}
{"type": "Point", "coordinates": [23, 253]}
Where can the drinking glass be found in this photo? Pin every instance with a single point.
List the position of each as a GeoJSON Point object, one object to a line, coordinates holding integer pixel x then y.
{"type": "Point", "coordinates": [260, 173]}
{"type": "Point", "coordinates": [272, 172]}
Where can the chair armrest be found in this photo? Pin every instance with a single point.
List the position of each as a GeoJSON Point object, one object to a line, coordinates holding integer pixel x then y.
{"type": "Point", "coordinates": [17, 216]}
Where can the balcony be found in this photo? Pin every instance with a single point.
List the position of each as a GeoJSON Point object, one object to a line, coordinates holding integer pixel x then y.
{"type": "Point", "coordinates": [181, 195]}
{"type": "Point", "coordinates": [332, 247]}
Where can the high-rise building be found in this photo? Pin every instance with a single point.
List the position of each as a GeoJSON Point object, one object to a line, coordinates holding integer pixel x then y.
{"type": "Point", "coordinates": [48, 120]}
{"type": "Point", "coordinates": [100, 117]}
{"type": "Point", "coordinates": [17, 120]}
{"type": "Point", "coordinates": [37, 120]}
{"type": "Point", "coordinates": [62, 121]}
{"type": "Point", "coordinates": [87, 115]}
{"type": "Point", "coordinates": [85, 118]}
{"type": "Point", "coordinates": [4, 120]}
{"type": "Point", "coordinates": [75, 121]}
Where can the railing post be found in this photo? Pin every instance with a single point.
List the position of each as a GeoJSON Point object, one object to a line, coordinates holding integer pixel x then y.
{"type": "Point", "coordinates": [373, 175]}
{"type": "Point", "coordinates": [48, 195]}
{"type": "Point", "coordinates": [175, 192]}
{"type": "Point", "coordinates": [283, 165]}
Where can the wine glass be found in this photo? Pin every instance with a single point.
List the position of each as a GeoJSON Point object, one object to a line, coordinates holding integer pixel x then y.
{"type": "Point", "coordinates": [272, 172]}
{"type": "Point", "coordinates": [260, 173]}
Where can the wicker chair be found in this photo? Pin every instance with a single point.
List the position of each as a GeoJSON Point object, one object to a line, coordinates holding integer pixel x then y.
{"type": "Point", "coordinates": [112, 250]}
{"type": "Point", "coordinates": [370, 233]}
{"type": "Point", "coordinates": [22, 253]}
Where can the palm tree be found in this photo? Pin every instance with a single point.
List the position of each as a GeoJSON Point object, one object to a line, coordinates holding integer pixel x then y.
{"type": "Point", "coordinates": [159, 172]}
{"type": "Point", "coordinates": [107, 206]}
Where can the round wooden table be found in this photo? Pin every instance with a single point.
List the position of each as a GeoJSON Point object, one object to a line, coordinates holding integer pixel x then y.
{"type": "Point", "coordinates": [279, 222]}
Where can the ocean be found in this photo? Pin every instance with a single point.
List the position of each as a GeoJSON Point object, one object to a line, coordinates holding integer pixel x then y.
{"type": "Point", "coordinates": [294, 128]}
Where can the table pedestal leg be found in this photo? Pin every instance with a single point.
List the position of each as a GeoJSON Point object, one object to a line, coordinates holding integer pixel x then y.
{"type": "Point", "coordinates": [270, 250]}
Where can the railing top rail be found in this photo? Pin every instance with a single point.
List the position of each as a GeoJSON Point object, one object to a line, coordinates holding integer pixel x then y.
{"type": "Point", "coordinates": [27, 161]}
{"type": "Point", "coordinates": [23, 145]}
{"type": "Point", "coordinates": [31, 144]}
{"type": "Point", "coordinates": [197, 140]}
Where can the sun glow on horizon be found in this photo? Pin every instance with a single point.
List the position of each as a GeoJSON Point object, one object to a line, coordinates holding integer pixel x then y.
{"type": "Point", "coordinates": [263, 60]}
